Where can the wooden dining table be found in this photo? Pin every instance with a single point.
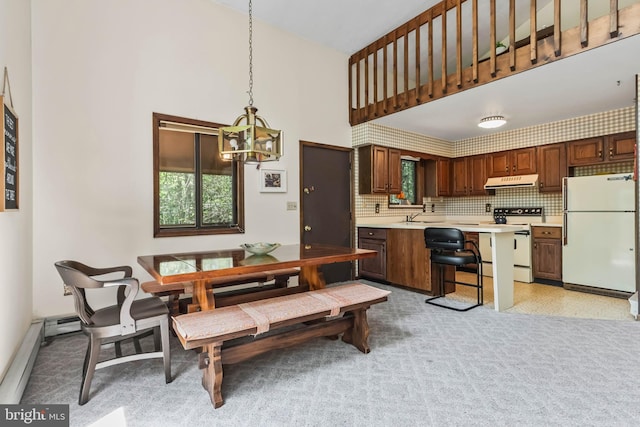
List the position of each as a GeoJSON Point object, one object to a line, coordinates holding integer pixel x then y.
{"type": "Point", "coordinates": [202, 266]}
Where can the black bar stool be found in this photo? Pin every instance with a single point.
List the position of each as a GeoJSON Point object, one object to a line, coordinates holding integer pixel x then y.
{"type": "Point", "coordinates": [447, 247]}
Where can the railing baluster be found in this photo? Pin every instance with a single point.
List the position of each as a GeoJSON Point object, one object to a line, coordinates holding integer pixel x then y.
{"type": "Point", "coordinates": [613, 19]}
{"type": "Point", "coordinates": [533, 32]}
{"type": "Point", "coordinates": [474, 17]}
{"type": "Point", "coordinates": [430, 54]}
{"type": "Point", "coordinates": [557, 31]}
{"type": "Point", "coordinates": [418, 97]}
{"type": "Point", "coordinates": [375, 81]}
{"type": "Point", "coordinates": [492, 50]}
{"type": "Point", "coordinates": [351, 118]}
{"type": "Point", "coordinates": [406, 65]}
{"type": "Point", "coordinates": [443, 76]}
{"type": "Point", "coordinates": [385, 64]}
{"type": "Point", "coordinates": [512, 34]}
{"type": "Point", "coordinates": [366, 85]}
{"type": "Point", "coordinates": [459, 43]}
{"type": "Point", "coordinates": [395, 70]}
{"type": "Point", "coordinates": [358, 88]}
{"type": "Point", "coordinates": [584, 23]}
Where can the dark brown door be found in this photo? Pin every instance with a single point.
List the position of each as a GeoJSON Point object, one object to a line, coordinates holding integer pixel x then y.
{"type": "Point", "coordinates": [326, 183]}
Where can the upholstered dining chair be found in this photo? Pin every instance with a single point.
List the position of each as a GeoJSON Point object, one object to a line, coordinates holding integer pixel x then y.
{"type": "Point", "coordinates": [128, 318]}
{"type": "Point", "coordinates": [449, 247]}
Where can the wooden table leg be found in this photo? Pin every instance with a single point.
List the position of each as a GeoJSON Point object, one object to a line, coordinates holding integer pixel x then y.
{"type": "Point", "coordinates": [311, 276]}
{"type": "Point", "coordinates": [212, 372]}
{"type": "Point", "coordinates": [203, 296]}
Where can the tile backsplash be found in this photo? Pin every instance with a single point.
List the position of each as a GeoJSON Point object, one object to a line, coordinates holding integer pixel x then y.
{"type": "Point", "coordinates": [582, 127]}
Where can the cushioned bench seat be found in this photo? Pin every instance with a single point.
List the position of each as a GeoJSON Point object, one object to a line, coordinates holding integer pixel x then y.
{"type": "Point", "coordinates": [174, 290]}
{"type": "Point", "coordinates": [318, 313]}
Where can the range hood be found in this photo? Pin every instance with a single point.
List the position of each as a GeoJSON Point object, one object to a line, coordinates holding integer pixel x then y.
{"type": "Point", "coordinates": [517, 181]}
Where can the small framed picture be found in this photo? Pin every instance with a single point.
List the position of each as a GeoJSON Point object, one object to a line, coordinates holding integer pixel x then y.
{"type": "Point", "coordinates": [273, 181]}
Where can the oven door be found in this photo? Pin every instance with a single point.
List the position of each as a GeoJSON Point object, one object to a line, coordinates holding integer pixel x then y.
{"type": "Point", "coordinates": [521, 256]}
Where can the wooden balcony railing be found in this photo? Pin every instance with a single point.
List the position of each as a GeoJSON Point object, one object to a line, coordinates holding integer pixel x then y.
{"type": "Point", "coordinates": [438, 52]}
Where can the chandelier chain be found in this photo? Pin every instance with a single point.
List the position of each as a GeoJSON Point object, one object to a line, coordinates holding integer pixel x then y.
{"type": "Point", "coordinates": [250, 54]}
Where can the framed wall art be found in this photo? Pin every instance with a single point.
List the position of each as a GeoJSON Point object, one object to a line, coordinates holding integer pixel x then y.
{"type": "Point", "coordinates": [273, 181]}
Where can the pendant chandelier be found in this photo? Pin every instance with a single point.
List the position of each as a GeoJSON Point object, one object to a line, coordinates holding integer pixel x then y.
{"type": "Point", "coordinates": [250, 140]}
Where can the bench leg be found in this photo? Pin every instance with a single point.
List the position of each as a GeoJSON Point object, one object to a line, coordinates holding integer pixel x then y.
{"type": "Point", "coordinates": [358, 335]}
{"type": "Point", "coordinates": [212, 372]}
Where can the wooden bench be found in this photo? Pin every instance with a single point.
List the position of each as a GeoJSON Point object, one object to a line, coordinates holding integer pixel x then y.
{"type": "Point", "coordinates": [175, 290]}
{"type": "Point", "coordinates": [314, 314]}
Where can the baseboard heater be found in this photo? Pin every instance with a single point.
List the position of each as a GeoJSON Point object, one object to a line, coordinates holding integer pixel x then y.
{"type": "Point", "coordinates": [54, 326]}
{"type": "Point", "coordinates": [17, 376]}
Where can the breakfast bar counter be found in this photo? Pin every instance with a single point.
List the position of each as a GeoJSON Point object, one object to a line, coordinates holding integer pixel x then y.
{"type": "Point", "coordinates": [502, 236]}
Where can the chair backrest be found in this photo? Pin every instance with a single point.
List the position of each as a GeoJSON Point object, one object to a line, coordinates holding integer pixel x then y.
{"type": "Point", "coordinates": [448, 239]}
{"type": "Point", "coordinates": [78, 277]}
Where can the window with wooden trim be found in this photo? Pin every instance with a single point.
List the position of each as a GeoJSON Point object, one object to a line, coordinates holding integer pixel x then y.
{"type": "Point", "coordinates": [195, 191]}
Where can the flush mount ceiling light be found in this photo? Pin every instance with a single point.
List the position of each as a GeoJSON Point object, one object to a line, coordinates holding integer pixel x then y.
{"type": "Point", "coordinates": [492, 122]}
{"type": "Point", "coordinates": [250, 140]}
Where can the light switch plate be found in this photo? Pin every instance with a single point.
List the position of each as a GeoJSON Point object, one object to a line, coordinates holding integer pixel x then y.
{"type": "Point", "coordinates": [292, 206]}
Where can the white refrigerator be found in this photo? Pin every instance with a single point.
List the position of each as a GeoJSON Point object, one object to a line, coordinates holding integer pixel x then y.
{"type": "Point", "coordinates": [599, 231]}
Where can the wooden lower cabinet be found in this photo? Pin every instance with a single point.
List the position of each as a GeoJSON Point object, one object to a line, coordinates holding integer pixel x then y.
{"type": "Point", "coordinates": [374, 239]}
{"type": "Point", "coordinates": [409, 262]}
{"type": "Point", "coordinates": [547, 253]}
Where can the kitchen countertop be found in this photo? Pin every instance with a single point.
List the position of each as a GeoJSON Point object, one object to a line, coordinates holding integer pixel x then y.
{"type": "Point", "coordinates": [470, 227]}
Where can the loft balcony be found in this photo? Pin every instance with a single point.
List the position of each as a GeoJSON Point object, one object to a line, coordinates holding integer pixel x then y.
{"type": "Point", "coordinates": [461, 44]}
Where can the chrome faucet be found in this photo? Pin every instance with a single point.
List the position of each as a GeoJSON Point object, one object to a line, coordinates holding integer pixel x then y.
{"type": "Point", "coordinates": [411, 217]}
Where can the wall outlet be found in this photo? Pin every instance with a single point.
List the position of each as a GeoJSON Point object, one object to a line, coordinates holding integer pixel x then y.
{"type": "Point", "coordinates": [433, 207]}
{"type": "Point", "coordinates": [292, 206]}
{"type": "Point", "coordinates": [377, 207]}
{"type": "Point", "coordinates": [487, 207]}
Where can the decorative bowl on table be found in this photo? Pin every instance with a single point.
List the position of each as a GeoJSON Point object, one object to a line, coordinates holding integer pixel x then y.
{"type": "Point", "coordinates": [259, 248]}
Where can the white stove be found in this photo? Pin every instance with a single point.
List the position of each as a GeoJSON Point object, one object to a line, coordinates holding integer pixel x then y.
{"type": "Point", "coordinates": [522, 259]}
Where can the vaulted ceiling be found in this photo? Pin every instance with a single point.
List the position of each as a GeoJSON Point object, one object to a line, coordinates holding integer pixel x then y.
{"type": "Point", "coordinates": [600, 79]}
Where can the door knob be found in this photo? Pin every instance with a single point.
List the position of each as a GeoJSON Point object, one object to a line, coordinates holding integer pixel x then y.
{"type": "Point", "coordinates": [307, 228]}
{"type": "Point", "coordinates": [308, 190]}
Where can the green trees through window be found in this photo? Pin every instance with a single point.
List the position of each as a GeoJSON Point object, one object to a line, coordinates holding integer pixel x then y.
{"type": "Point", "coordinates": [195, 191]}
{"type": "Point", "coordinates": [408, 170]}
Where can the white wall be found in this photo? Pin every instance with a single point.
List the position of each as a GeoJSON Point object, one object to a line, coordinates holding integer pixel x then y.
{"type": "Point", "coordinates": [100, 68]}
{"type": "Point", "coordinates": [15, 226]}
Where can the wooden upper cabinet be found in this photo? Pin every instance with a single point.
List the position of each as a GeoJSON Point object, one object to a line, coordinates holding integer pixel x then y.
{"type": "Point", "coordinates": [498, 164]}
{"type": "Point", "coordinates": [444, 177]}
{"type": "Point", "coordinates": [524, 161]}
{"type": "Point", "coordinates": [459, 175]}
{"type": "Point", "coordinates": [379, 170]}
{"type": "Point", "coordinates": [514, 162]}
{"type": "Point", "coordinates": [552, 167]}
{"type": "Point", "coordinates": [587, 151]}
{"type": "Point", "coordinates": [602, 149]}
{"type": "Point", "coordinates": [395, 171]}
{"type": "Point", "coordinates": [437, 177]}
{"type": "Point", "coordinates": [620, 146]}
{"type": "Point", "coordinates": [468, 175]}
{"type": "Point", "coordinates": [476, 175]}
